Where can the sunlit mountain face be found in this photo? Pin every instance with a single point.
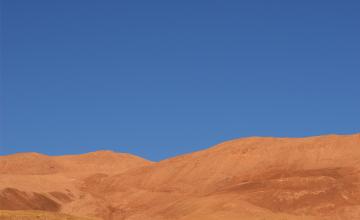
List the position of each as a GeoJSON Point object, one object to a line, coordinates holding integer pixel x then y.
{"type": "Point", "coordinates": [250, 178]}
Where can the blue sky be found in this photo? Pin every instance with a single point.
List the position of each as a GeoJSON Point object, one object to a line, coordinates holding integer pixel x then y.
{"type": "Point", "coordinates": [161, 78]}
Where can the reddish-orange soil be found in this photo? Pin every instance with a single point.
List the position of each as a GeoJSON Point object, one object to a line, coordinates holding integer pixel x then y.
{"type": "Point", "coordinates": [251, 178]}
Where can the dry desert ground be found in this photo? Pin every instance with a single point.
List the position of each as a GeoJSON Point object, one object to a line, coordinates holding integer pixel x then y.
{"type": "Point", "coordinates": [257, 178]}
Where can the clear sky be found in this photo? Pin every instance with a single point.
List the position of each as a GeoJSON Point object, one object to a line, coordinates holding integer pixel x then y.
{"type": "Point", "coordinates": [161, 78]}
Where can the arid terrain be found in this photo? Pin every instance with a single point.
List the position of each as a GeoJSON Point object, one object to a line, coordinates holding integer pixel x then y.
{"type": "Point", "coordinates": [257, 178]}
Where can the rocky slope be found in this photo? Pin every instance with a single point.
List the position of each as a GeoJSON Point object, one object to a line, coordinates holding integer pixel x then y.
{"type": "Point", "coordinates": [249, 178]}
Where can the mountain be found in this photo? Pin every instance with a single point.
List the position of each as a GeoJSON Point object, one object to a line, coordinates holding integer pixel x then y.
{"type": "Point", "coordinates": [100, 161]}
{"type": "Point", "coordinates": [250, 178]}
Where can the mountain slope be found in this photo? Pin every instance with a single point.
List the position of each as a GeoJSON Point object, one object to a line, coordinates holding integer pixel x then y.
{"type": "Point", "coordinates": [30, 215]}
{"type": "Point", "coordinates": [316, 176]}
{"type": "Point", "coordinates": [39, 164]}
{"type": "Point", "coordinates": [249, 178]}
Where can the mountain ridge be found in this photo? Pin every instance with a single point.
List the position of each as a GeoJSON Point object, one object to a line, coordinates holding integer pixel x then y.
{"type": "Point", "coordinates": [106, 151]}
{"type": "Point", "coordinates": [247, 178]}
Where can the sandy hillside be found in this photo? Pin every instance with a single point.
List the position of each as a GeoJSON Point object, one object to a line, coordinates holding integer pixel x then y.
{"type": "Point", "coordinates": [251, 178]}
{"type": "Point", "coordinates": [39, 215]}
